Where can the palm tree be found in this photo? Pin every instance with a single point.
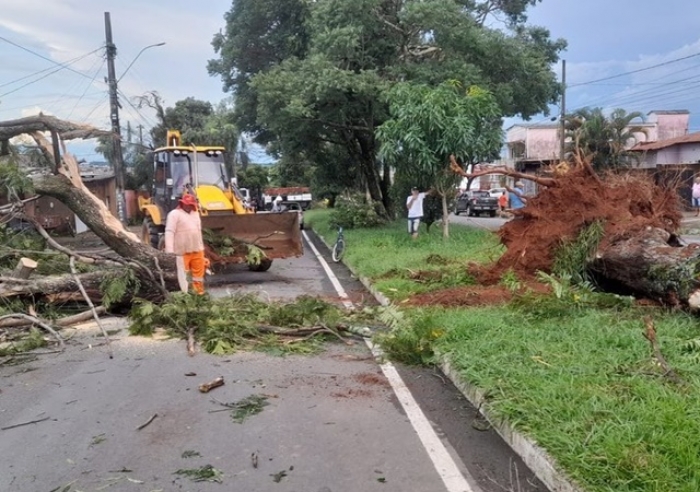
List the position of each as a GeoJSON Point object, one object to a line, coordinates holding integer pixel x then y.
{"type": "Point", "coordinates": [606, 140]}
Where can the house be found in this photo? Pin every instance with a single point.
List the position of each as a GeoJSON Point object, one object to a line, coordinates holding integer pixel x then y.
{"type": "Point", "coordinates": [674, 160]}
{"type": "Point", "coordinates": [531, 147]}
{"type": "Point", "coordinates": [57, 217]}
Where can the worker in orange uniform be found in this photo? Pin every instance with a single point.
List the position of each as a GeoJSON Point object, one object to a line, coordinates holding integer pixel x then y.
{"type": "Point", "coordinates": [183, 236]}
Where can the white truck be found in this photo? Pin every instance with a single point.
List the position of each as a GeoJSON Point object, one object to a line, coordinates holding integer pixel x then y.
{"type": "Point", "coordinates": [296, 194]}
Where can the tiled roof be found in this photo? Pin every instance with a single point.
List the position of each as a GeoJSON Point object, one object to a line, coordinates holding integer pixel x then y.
{"type": "Point", "coordinates": [662, 144]}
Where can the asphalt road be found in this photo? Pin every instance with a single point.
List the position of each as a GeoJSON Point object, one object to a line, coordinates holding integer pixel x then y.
{"type": "Point", "coordinates": [333, 421]}
{"type": "Point", "coordinates": [484, 222]}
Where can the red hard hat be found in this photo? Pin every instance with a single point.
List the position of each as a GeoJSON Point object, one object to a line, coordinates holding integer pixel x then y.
{"type": "Point", "coordinates": [188, 199]}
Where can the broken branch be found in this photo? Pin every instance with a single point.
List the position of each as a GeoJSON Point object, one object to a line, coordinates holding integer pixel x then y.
{"type": "Point", "coordinates": [37, 321]}
{"type": "Point", "coordinates": [650, 334]}
{"type": "Point", "coordinates": [91, 305]}
{"type": "Point", "coordinates": [148, 422]}
{"type": "Point", "coordinates": [24, 423]}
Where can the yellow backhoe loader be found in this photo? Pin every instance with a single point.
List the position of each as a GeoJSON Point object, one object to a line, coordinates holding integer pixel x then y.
{"type": "Point", "coordinates": [200, 170]}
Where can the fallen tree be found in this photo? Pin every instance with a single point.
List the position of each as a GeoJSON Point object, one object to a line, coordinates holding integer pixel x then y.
{"type": "Point", "coordinates": [620, 231]}
{"type": "Point", "coordinates": [153, 269]}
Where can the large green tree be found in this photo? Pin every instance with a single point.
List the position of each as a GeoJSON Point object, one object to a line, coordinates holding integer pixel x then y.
{"type": "Point", "coordinates": [321, 78]}
{"type": "Point", "coordinates": [429, 124]}
{"type": "Point", "coordinates": [605, 139]}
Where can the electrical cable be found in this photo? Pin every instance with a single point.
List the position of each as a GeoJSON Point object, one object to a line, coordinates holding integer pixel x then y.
{"type": "Point", "coordinates": [69, 62]}
{"type": "Point", "coordinates": [635, 71]}
{"type": "Point", "coordinates": [63, 65]}
{"type": "Point", "coordinates": [87, 88]}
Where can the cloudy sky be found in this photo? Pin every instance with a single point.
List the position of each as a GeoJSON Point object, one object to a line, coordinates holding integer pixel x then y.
{"type": "Point", "coordinates": [606, 38]}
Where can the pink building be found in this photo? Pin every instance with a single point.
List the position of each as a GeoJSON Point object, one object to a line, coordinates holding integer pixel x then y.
{"type": "Point", "coordinates": [531, 146]}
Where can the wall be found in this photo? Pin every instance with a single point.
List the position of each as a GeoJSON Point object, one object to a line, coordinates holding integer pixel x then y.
{"type": "Point", "coordinates": [542, 144]}
{"type": "Point", "coordinates": [106, 190]}
{"type": "Point", "coordinates": [669, 125]}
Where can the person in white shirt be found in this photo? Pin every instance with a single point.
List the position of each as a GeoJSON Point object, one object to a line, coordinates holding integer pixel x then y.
{"type": "Point", "coordinates": [183, 237]}
{"type": "Point", "coordinates": [414, 204]}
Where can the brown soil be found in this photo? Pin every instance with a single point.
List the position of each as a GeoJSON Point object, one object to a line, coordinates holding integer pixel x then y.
{"type": "Point", "coordinates": [626, 203]}
{"type": "Point", "coordinates": [370, 379]}
{"type": "Point", "coordinates": [473, 295]}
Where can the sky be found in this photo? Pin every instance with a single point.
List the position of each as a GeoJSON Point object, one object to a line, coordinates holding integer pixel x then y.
{"type": "Point", "coordinates": [605, 38]}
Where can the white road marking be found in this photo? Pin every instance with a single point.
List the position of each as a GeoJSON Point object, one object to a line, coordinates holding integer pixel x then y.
{"type": "Point", "coordinates": [443, 462]}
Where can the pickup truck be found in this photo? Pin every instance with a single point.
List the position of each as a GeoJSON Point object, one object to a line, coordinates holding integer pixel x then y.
{"type": "Point", "coordinates": [476, 202]}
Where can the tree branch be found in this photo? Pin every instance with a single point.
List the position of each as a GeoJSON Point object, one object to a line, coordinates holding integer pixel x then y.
{"type": "Point", "coordinates": [37, 321]}
{"type": "Point", "coordinates": [457, 169]}
{"type": "Point", "coordinates": [42, 123]}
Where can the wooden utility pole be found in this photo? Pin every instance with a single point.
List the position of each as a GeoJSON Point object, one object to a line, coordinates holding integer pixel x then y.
{"type": "Point", "coordinates": [114, 117]}
{"type": "Point", "coordinates": [562, 136]}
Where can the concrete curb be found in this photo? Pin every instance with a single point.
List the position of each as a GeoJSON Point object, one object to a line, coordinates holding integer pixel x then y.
{"type": "Point", "coordinates": [536, 458]}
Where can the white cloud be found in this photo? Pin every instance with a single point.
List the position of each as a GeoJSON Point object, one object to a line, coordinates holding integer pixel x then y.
{"type": "Point", "coordinates": [62, 30]}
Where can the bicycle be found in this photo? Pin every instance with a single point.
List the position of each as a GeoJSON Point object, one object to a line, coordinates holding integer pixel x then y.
{"type": "Point", "coordinates": [339, 246]}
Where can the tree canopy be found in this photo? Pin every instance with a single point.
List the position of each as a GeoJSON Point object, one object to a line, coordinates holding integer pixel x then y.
{"type": "Point", "coordinates": [428, 124]}
{"type": "Point", "coordinates": [309, 77]}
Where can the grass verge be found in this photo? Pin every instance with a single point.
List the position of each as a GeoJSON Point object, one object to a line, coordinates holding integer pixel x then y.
{"type": "Point", "coordinates": [400, 266]}
{"type": "Point", "coordinates": [571, 370]}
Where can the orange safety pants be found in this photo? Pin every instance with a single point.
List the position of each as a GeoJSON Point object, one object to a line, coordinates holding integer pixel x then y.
{"type": "Point", "coordinates": [195, 263]}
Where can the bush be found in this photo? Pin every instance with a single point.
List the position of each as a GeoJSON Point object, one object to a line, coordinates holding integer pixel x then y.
{"type": "Point", "coordinates": [354, 212]}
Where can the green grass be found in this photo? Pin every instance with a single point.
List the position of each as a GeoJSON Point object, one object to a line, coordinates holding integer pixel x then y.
{"type": "Point", "coordinates": [390, 257]}
{"type": "Point", "coordinates": [571, 370]}
{"type": "Point", "coordinates": [586, 388]}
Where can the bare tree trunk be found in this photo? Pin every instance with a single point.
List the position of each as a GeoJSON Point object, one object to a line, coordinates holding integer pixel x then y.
{"type": "Point", "coordinates": [445, 217]}
{"type": "Point", "coordinates": [647, 264]}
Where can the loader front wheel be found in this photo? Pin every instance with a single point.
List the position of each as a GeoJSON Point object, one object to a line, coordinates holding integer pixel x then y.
{"type": "Point", "coordinates": [263, 266]}
{"type": "Point", "coordinates": [150, 233]}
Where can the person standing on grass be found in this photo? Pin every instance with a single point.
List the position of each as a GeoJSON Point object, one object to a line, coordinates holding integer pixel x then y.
{"type": "Point", "coordinates": [696, 196]}
{"type": "Point", "coordinates": [414, 204]}
{"type": "Point", "coordinates": [183, 237]}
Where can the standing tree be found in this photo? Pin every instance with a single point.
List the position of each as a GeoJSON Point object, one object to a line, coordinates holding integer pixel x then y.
{"type": "Point", "coordinates": [605, 140]}
{"type": "Point", "coordinates": [428, 124]}
{"type": "Point", "coordinates": [309, 75]}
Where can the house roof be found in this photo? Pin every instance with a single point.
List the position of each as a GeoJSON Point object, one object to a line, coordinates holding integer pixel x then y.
{"type": "Point", "coordinates": [662, 144]}
{"type": "Point", "coordinates": [669, 111]}
{"type": "Point", "coordinates": [534, 125]}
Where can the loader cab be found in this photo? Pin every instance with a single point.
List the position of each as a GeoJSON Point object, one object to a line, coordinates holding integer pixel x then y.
{"type": "Point", "coordinates": [177, 170]}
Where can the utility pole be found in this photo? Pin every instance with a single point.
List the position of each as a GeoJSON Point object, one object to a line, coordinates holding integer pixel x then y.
{"type": "Point", "coordinates": [562, 141]}
{"type": "Point", "coordinates": [114, 117]}
{"type": "Point", "coordinates": [140, 138]}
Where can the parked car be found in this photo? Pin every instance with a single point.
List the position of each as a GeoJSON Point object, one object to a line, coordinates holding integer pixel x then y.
{"type": "Point", "coordinates": [294, 207]}
{"type": "Point", "coordinates": [496, 192]}
{"type": "Point", "coordinates": [476, 202]}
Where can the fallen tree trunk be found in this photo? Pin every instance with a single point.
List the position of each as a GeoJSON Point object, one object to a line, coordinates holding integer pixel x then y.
{"type": "Point", "coordinates": [155, 269]}
{"type": "Point", "coordinates": [648, 264]}
{"type": "Point", "coordinates": [64, 288]}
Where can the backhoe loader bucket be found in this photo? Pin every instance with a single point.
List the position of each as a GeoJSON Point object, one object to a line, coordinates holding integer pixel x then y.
{"type": "Point", "coordinates": [277, 234]}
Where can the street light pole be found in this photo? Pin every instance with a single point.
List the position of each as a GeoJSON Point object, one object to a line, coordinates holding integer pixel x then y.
{"type": "Point", "coordinates": [136, 58]}
{"type": "Point", "coordinates": [112, 81]}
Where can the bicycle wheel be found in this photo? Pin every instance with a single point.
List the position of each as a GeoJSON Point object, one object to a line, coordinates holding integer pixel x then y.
{"type": "Point", "coordinates": [338, 250]}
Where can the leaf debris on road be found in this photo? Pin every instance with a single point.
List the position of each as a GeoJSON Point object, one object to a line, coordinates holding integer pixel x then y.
{"type": "Point", "coordinates": [206, 473]}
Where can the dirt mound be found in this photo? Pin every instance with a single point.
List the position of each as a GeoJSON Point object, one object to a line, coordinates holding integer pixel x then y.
{"type": "Point", "coordinates": [624, 203]}
{"type": "Point", "coordinates": [473, 295]}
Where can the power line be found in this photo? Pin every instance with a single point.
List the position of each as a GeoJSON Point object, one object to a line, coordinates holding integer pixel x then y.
{"type": "Point", "coordinates": [87, 88]}
{"type": "Point", "coordinates": [48, 59]}
{"type": "Point", "coordinates": [69, 62]}
{"type": "Point", "coordinates": [636, 71]}
{"type": "Point", "coordinates": [61, 67]}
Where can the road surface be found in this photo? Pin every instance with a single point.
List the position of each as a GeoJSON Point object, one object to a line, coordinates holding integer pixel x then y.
{"type": "Point", "coordinates": [334, 421]}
